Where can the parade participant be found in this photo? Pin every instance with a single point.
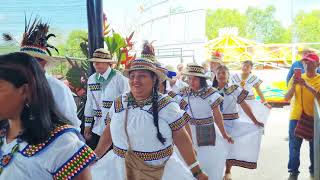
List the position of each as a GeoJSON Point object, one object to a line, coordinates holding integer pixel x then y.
{"type": "Point", "coordinates": [305, 89]}
{"type": "Point", "coordinates": [204, 103]}
{"type": "Point", "coordinates": [164, 90]}
{"type": "Point", "coordinates": [34, 43]}
{"type": "Point", "coordinates": [175, 84]}
{"type": "Point", "coordinates": [215, 61]}
{"type": "Point", "coordinates": [164, 87]}
{"type": "Point", "coordinates": [248, 81]}
{"type": "Point", "coordinates": [103, 87]}
{"type": "Point", "coordinates": [245, 150]}
{"type": "Point", "coordinates": [35, 140]}
{"type": "Point", "coordinates": [143, 125]}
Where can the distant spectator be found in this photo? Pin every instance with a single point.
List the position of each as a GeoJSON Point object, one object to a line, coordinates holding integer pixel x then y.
{"type": "Point", "coordinates": [298, 64]}
{"type": "Point", "coordinates": [175, 83]}
{"type": "Point", "coordinates": [180, 69]}
{"type": "Point", "coordinates": [304, 90]}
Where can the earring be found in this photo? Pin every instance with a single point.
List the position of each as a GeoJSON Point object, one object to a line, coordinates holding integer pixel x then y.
{"type": "Point", "coordinates": [31, 117]}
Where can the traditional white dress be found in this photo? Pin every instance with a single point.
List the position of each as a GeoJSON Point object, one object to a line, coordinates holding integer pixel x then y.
{"type": "Point", "coordinates": [64, 100]}
{"type": "Point", "coordinates": [62, 156]}
{"type": "Point", "coordinates": [212, 158]}
{"type": "Point", "coordinates": [143, 139]}
{"type": "Point", "coordinates": [247, 136]}
{"type": "Point", "coordinates": [258, 109]}
{"type": "Point", "coordinates": [100, 97]}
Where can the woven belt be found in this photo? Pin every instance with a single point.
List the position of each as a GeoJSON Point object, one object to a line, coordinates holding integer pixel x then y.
{"type": "Point", "coordinates": [232, 116]}
{"type": "Point", "coordinates": [250, 97]}
{"type": "Point", "coordinates": [146, 156]}
{"type": "Point", "coordinates": [204, 121]}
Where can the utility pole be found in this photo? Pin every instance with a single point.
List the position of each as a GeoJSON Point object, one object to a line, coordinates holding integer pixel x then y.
{"type": "Point", "coordinates": [95, 27]}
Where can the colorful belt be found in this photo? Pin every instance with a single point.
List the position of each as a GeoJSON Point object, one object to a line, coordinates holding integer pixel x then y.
{"type": "Point", "coordinates": [199, 122]}
{"type": "Point", "coordinates": [251, 97]}
{"type": "Point", "coordinates": [146, 156]}
{"type": "Point", "coordinates": [232, 116]}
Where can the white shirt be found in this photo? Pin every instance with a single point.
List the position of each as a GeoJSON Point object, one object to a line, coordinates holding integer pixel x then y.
{"type": "Point", "coordinates": [50, 161]}
{"type": "Point", "coordinates": [100, 98]}
{"type": "Point", "coordinates": [178, 86]}
{"type": "Point", "coordinates": [201, 104]}
{"type": "Point", "coordinates": [141, 129]}
{"type": "Point", "coordinates": [233, 95]}
{"type": "Point", "coordinates": [64, 100]}
{"type": "Point", "coordinates": [251, 82]}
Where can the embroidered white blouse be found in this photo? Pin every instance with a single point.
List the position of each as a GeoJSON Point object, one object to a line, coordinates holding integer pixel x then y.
{"type": "Point", "coordinates": [100, 98]}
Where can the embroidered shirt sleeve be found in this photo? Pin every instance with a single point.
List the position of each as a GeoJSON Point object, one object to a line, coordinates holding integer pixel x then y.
{"type": "Point", "coordinates": [242, 96]}
{"type": "Point", "coordinates": [215, 99]}
{"type": "Point", "coordinates": [179, 123]}
{"type": "Point", "coordinates": [88, 111]}
{"type": "Point", "coordinates": [75, 164]}
{"type": "Point", "coordinates": [255, 81]}
{"type": "Point", "coordinates": [174, 116]}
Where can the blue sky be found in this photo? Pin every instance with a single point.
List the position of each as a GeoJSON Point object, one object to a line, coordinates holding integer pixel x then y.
{"type": "Point", "coordinates": [71, 14]}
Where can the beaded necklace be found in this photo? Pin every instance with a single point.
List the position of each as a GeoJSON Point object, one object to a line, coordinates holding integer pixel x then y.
{"type": "Point", "coordinates": [138, 103]}
{"type": "Point", "coordinates": [243, 80]}
{"type": "Point", "coordinates": [198, 93]}
{"type": "Point", "coordinates": [7, 158]}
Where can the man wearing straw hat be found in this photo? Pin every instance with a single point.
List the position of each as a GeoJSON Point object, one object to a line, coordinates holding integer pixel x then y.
{"type": "Point", "coordinates": [103, 87]}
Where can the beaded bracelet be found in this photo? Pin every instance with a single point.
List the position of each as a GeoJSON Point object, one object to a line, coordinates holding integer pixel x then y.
{"type": "Point", "coordinates": [196, 174]}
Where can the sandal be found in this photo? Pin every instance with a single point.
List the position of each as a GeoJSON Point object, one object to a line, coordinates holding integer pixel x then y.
{"type": "Point", "coordinates": [227, 176]}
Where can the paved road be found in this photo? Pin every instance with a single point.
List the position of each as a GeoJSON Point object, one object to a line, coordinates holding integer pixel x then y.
{"type": "Point", "coordinates": [272, 164]}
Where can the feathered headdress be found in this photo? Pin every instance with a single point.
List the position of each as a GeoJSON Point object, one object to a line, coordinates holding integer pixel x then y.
{"type": "Point", "coordinates": [216, 56]}
{"type": "Point", "coordinates": [148, 51]}
{"type": "Point", "coordinates": [35, 39]}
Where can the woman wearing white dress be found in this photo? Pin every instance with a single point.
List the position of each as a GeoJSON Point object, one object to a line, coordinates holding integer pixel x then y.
{"type": "Point", "coordinates": [204, 107]}
{"type": "Point", "coordinates": [148, 123]}
{"type": "Point", "coordinates": [249, 81]}
{"type": "Point", "coordinates": [35, 140]}
{"type": "Point", "coordinates": [247, 136]}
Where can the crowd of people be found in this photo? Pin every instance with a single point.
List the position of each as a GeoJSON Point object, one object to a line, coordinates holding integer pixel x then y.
{"type": "Point", "coordinates": [147, 122]}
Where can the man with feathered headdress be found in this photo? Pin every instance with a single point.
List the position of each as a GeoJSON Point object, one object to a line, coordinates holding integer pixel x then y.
{"type": "Point", "coordinates": [35, 43]}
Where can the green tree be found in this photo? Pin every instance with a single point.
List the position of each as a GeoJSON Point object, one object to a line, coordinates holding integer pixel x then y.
{"type": "Point", "coordinates": [71, 47]}
{"type": "Point", "coordinates": [307, 27]}
{"type": "Point", "coordinates": [221, 18]}
{"type": "Point", "coordinates": [263, 27]}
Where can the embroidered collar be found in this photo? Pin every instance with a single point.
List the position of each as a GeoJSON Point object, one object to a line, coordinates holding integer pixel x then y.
{"type": "Point", "coordinates": [201, 92]}
{"type": "Point", "coordinates": [227, 89]}
{"type": "Point", "coordinates": [135, 103]}
{"type": "Point", "coordinates": [31, 150]}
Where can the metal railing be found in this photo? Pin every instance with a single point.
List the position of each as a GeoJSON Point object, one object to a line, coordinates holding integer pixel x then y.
{"type": "Point", "coordinates": [316, 140]}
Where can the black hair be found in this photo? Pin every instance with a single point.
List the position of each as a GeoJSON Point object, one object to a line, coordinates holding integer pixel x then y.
{"type": "Point", "coordinates": [248, 62]}
{"type": "Point", "coordinates": [155, 113]}
{"type": "Point", "coordinates": [164, 84]}
{"type": "Point", "coordinates": [215, 82]}
{"type": "Point", "coordinates": [203, 82]}
{"type": "Point", "coordinates": [20, 68]}
{"type": "Point", "coordinates": [221, 67]}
